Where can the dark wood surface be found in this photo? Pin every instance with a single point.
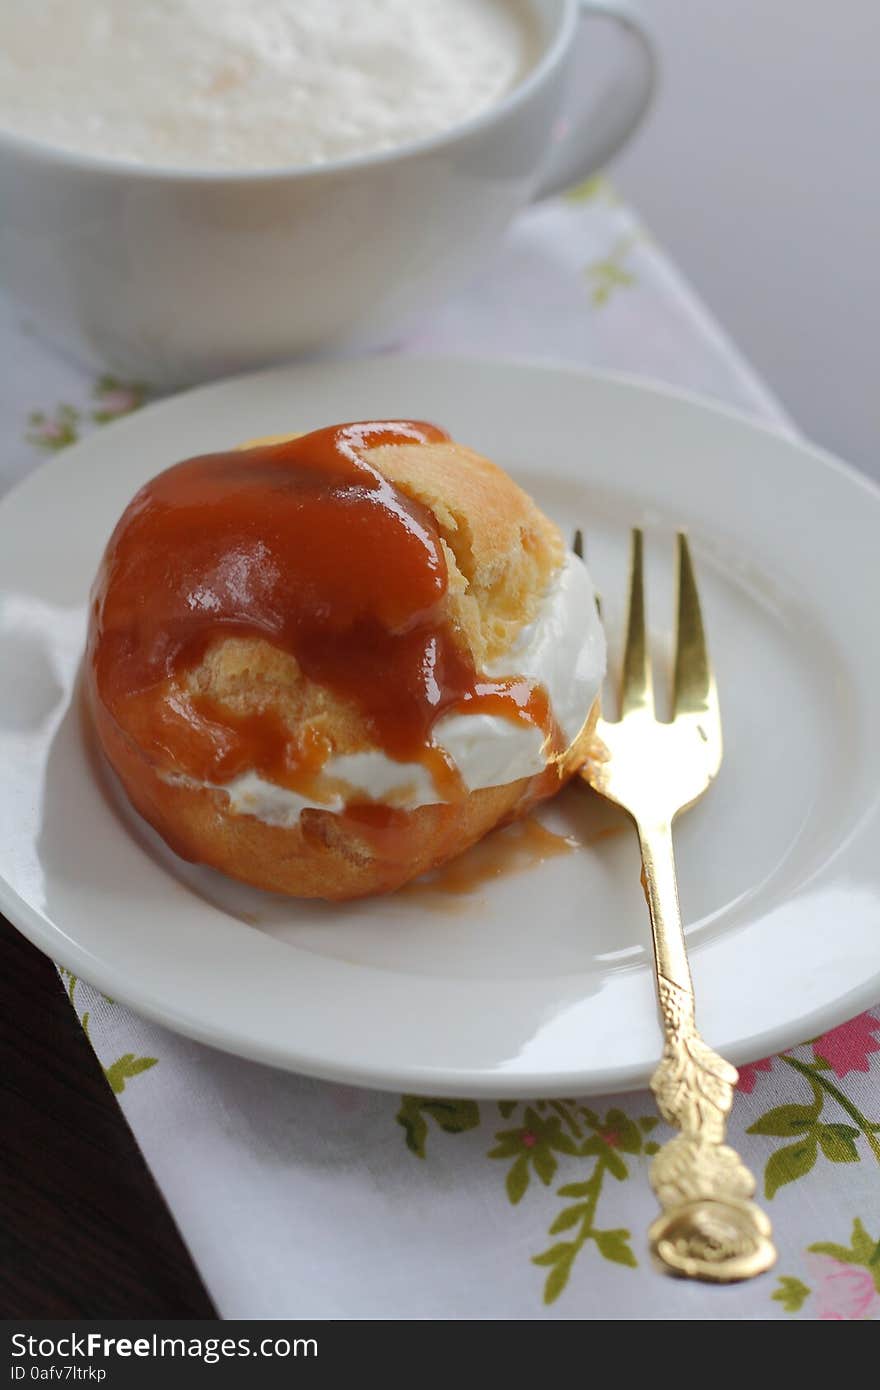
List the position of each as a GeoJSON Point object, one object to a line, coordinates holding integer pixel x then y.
{"type": "Point", "coordinates": [84, 1232]}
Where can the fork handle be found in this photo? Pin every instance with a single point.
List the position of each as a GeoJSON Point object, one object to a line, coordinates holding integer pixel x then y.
{"type": "Point", "coordinates": [661, 890]}
{"type": "Point", "coordinates": [708, 1228]}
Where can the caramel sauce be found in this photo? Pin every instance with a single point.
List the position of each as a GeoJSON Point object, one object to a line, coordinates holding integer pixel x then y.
{"type": "Point", "coordinates": [305, 544]}
{"type": "Point", "coordinates": [514, 849]}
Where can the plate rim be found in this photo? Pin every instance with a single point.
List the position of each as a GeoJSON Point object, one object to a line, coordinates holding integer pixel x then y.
{"type": "Point", "coordinates": [549, 365]}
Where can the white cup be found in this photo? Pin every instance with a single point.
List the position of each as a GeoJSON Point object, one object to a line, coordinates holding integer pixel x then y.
{"type": "Point", "coordinates": [172, 275]}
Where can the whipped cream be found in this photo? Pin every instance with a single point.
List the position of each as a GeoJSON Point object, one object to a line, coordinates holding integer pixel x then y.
{"type": "Point", "coordinates": [564, 649]}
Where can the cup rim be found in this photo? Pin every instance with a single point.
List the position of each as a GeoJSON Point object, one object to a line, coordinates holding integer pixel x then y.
{"type": "Point", "coordinates": [42, 151]}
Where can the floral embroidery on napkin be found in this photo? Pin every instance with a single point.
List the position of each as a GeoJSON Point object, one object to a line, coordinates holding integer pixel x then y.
{"type": "Point", "coordinates": [545, 1134]}
{"type": "Point", "coordinates": [452, 1116]}
{"type": "Point", "coordinates": [792, 1293]}
{"type": "Point", "coordinates": [592, 190]}
{"type": "Point", "coordinates": [548, 1139]}
{"type": "Point", "coordinates": [748, 1074]}
{"type": "Point", "coordinates": [611, 273]}
{"type": "Point", "coordinates": [846, 1048]}
{"type": "Point", "coordinates": [126, 1066]}
{"type": "Point", "coordinates": [845, 1280]}
{"type": "Point", "coordinates": [53, 431]}
{"type": "Point", "coordinates": [114, 398]}
{"type": "Point", "coordinates": [842, 1051]}
{"type": "Point", "coordinates": [111, 399]}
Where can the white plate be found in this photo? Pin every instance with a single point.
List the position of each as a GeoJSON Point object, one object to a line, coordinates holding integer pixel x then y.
{"type": "Point", "coordinates": [541, 983]}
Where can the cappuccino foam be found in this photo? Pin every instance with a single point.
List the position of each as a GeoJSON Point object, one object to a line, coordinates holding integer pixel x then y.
{"type": "Point", "coordinates": [254, 83]}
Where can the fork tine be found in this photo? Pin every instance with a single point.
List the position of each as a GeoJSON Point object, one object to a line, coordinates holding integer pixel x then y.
{"type": "Point", "coordinates": [693, 686]}
{"type": "Point", "coordinates": [636, 689]}
{"type": "Point", "coordinates": [577, 546]}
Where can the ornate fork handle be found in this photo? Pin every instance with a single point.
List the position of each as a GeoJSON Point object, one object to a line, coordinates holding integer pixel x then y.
{"type": "Point", "coordinates": [708, 1228]}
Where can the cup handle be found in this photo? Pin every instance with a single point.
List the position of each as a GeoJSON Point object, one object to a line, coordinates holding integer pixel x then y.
{"type": "Point", "coordinates": [591, 133]}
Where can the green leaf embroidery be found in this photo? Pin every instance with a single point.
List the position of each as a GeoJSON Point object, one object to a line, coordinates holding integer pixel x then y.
{"type": "Point", "coordinates": [616, 1166]}
{"type": "Point", "coordinates": [837, 1252]}
{"type": "Point", "coordinates": [545, 1166]}
{"type": "Point", "coordinates": [576, 1189]}
{"type": "Point", "coordinates": [548, 1132]}
{"type": "Point", "coordinates": [625, 1132]}
{"type": "Point", "coordinates": [565, 1111]}
{"type": "Point", "coordinates": [615, 1131]}
{"type": "Point", "coordinates": [415, 1126]}
{"type": "Point", "coordinates": [534, 1146]}
{"type": "Point", "coordinates": [614, 1245]}
{"type": "Point", "coordinates": [597, 1145]}
{"type": "Point", "coordinates": [556, 1280]}
{"type": "Point", "coordinates": [125, 1067]}
{"type": "Point", "coordinates": [837, 1143]}
{"type": "Point", "coordinates": [561, 1142]}
{"type": "Point", "coordinates": [792, 1293]}
{"type": "Point", "coordinates": [565, 1250]}
{"type": "Point", "coordinates": [560, 1258]}
{"type": "Point", "coordinates": [863, 1245]}
{"type": "Point", "coordinates": [510, 1143]}
{"type": "Point", "coordinates": [452, 1116]}
{"type": "Point", "coordinates": [786, 1120]}
{"type": "Point", "coordinates": [568, 1217]}
{"type": "Point", "coordinates": [517, 1179]}
{"type": "Point", "coordinates": [72, 981]}
{"type": "Point", "coordinates": [863, 1251]}
{"type": "Point", "coordinates": [611, 274]}
{"type": "Point", "coordinates": [788, 1163]}
{"type": "Point", "coordinates": [589, 190]}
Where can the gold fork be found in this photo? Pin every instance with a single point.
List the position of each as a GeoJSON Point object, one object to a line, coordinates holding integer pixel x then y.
{"type": "Point", "coordinates": [708, 1228]}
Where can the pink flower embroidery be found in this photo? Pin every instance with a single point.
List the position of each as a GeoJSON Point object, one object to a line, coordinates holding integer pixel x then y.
{"type": "Point", "coordinates": [118, 401]}
{"type": "Point", "coordinates": [846, 1048]}
{"type": "Point", "coordinates": [53, 431]}
{"type": "Point", "coordinates": [114, 398]}
{"type": "Point", "coordinates": [844, 1292]}
{"type": "Point", "coordinates": [529, 1139]}
{"type": "Point", "coordinates": [748, 1075]}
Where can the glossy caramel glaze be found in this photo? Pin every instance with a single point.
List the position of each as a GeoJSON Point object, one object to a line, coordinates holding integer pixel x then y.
{"type": "Point", "coordinates": [512, 849]}
{"type": "Point", "coordinates": [305, 544]}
